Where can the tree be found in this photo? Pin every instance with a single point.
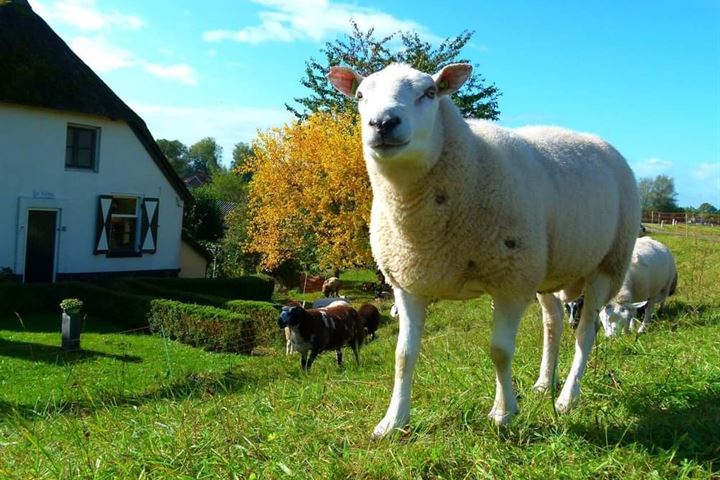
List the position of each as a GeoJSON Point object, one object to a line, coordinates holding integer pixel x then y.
{"type": "Point", "coordinates": [658, 194]}
{"type": "Point", "coordinates": [367, 54]}
{"type": "Point", "coordinates": [177, 154]}
{"type": "Point", "coordinates": [240, 153]}
{"type": "Point", "coordinates": [204, 157]}
{"type": "Point", "coordinates": [309, 198]}
{"type": "Point", "coordinates": [707, 208]}
{"type": "Point", "coordinates": [203, 220]}
{"type": "Point", "coordinates": [228, 186]}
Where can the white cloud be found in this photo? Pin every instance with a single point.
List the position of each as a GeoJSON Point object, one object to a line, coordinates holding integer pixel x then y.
{"type": "Point", "coordinates": [180, 72]}
{"type": "Point", "coordinates": [85, 15]}
{"type": "Point", "coordinates": [651, 167]}
{"type": "Point", "coordinates": [290, 20]}
{"type": "Point", "coordinates": [707, 171]}
{"type": "Point", "coordinates": [100, 55]}
{"type": "Point", "coordinates": [228, 124]}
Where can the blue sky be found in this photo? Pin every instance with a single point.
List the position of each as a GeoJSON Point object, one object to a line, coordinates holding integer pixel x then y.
{"type": "Point", "coordinates": [643, 74]}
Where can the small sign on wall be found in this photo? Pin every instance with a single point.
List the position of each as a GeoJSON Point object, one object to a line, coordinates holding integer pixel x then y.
{"type": "Point", "coordinates": [43, 194]}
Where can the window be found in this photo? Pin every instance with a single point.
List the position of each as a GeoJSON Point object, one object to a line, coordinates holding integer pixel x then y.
{"type": "Point", "coordinates": [81, 147]}
{"type": "Point", "coordinates": [127, 225]}
{"type": "Point", "coordinates": [123, 225]}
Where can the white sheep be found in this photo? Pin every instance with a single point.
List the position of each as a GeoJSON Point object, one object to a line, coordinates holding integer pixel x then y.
{"type": "Point", "coordinates": [327, 301]}
{"type": "Point", "coordinates": [463, 208]}
{"type": "Point", "coordinates": [651, 278]}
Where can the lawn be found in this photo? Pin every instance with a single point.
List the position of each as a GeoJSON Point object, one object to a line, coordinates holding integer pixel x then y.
{"type": "Point", "coordinates": [137, 406]}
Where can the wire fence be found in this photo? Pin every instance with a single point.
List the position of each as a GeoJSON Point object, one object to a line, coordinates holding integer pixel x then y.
{"type": "Point", "coordinates": [686, 218]}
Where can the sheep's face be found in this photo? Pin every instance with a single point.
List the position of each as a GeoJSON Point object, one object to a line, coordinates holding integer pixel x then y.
{"type": "Point", "coordinates": [399, 111]}
{"type": "Point", "coordinates": [290, 317]}
{"type": "Point", "coordinates": [615, 318]}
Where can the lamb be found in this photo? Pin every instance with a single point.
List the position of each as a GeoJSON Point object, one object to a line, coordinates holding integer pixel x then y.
{"type": "Point", "coordinates": [651, 278]}
{"type": "Point", "coordinates": [331, 287]}
{"type": "Point", "coordinates": [463, 208]}
{"type": "Point", "coordinates": [319, 330]}
{"type": "Point", "coordinates": [370, 316]}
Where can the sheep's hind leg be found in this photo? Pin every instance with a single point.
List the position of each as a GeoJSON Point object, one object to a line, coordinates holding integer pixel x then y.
{"type": "Point", "coordinates": [506, 319]}
{"type": "Point", "coordinates": [552, 312]}
{"type": "Point", "coordinates": [411, 323]}
{"type": "Point", "coordinates": [597, 294]}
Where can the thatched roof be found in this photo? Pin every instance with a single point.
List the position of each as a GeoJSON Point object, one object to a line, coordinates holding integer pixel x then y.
{"type": "Point", "coordinates": [37, 68]}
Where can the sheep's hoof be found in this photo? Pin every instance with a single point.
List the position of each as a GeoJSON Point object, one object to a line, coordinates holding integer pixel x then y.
{"type": "Point", "coordinates": [386, 427]}
{"type": "Point", "coordinates": [501, 419]}
{"type": "Point", "coordinates": [564, 404]}
{"type": "Point", "coordinates": [541, 387]}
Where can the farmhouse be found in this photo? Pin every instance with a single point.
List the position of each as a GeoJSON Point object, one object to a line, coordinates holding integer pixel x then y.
{"type": "Point", "coordinates": [84, 189]}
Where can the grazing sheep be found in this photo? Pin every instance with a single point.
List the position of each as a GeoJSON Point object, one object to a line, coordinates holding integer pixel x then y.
{"type": "Point", "coordinates": [319, 330]}
{"type": "Point", "coordinates": [331, 287]}
{"type": "Point", "coordinates": [463, 208]}
{"type": "Point", "coordinates": [370, 316]}
{"type": "Point", "coordinates": [651, 278]}
{"type": "Point", "coordinates": [324, 302]}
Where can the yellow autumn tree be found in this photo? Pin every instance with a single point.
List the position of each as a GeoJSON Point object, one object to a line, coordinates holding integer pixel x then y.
{"type": "Point", "coordinates": [309, 197]}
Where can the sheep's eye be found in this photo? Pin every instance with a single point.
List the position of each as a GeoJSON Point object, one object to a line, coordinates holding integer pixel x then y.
{"type": "Point", "coordinates": [431, 92]}
{"type": "Point", "coordinates": [358, 95]}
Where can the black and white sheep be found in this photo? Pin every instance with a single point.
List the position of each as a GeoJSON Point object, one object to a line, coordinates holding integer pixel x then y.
{"type": "Point", "coordinates": [463, 208]}
{"type": "Point", "coordinates": [317, 330]}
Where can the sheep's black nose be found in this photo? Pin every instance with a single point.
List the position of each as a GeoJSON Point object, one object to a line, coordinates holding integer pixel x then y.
{"type": "Point", "coordinates": [386, 124]}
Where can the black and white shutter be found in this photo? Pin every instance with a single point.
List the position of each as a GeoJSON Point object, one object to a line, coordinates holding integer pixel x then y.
{"type": "Point", "coordinates": [148, 231]}
{"type": "Point", "coordinates": [102, 226]}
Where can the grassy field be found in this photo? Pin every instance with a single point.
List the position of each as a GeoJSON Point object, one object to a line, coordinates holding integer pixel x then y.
{"type": "Point", "coordinates": [136, 406]}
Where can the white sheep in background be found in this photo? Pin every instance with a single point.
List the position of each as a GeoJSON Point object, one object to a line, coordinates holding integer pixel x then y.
{"type": "Point", "coordinates": [651, 278]}
{"type": "Point", "coordinates": [463, 208]}
{"type": "Point", "coordinates": [327, 301]}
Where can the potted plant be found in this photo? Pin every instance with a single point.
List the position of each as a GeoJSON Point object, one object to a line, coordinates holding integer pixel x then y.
{"type": "Point", "coordinates": [71, 323]}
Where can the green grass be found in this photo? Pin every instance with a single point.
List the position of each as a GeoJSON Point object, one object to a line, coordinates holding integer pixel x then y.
{"type": "Point", "coordinates": [127, 409]}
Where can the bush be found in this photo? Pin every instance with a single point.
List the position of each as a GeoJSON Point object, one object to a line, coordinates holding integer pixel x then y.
{"type": "Point", "coordinates": [123, 308]}
{"type": "Point", "coordinates": [151, 288]}
{"type": "Point", "coordinates": [251, 287]}
{"type": "Point", "coordinates": [211, 328]}
{"type": "Point", "coordinates": [264, 316]}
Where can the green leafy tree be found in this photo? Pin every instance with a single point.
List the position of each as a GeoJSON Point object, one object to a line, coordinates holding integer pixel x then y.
{"type": "Point", "coordinates": [228, 186]}
{"type": "Point", "coordinates": [367, 54]}
{"type": "Point", "coordinates": [707, 208]}
{"type": "Point", "coordinates": [177, 154]}
{"type": "Point", "coordinates": [204, 157]}
{"type": "Point", "coordinates": [658, 194]}
{"type": "Point", "coordinates": [203, 220]}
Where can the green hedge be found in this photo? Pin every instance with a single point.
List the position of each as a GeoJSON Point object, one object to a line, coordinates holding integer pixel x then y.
{"type": "Point", "coordinates": [116, 306]}
{"type": "Point", "coordinates": [211, 328]}
{"type": "Point", "coordinates": [264, 316]}
{"type": "Point", "coordinates": [150, 288]}
{"type": "Point", "coordinates": [251, 287]}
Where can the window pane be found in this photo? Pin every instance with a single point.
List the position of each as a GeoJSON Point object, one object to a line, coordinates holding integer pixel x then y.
{"type": "Point", "coordinates": [85, 138]}
{"type": "Point", "coordinates": [123, 205]}
{"type": "Point", "coordinates": [83, 158]}
{"type": "Point", "coordinates": [122, 234]}
{"type": "Point", "coordinates": [80, 148]}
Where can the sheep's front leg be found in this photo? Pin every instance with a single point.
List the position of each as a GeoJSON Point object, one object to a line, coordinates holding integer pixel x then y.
{"type": "Point", "coordinates": [597, 294]}
{"type": "Point", "coordinates": [412, 319]}
{"type": "Point", "coordinates": [552, 332]}
{"type": "Point", "coordinates": [647, 319]}
{"type": "Point", "coordinates": [506, 319]}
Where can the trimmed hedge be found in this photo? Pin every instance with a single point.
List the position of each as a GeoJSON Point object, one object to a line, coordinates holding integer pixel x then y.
{"type": "Point", "coordinates": [120, 307]}
{"type": "Point", "coordinates": [211, 328]}
{"type": "Point", "coordinates": [150, 288]}
{"type": "Point", "coordinates": [251, 287]}
{"type": "Point", "coordinates": [264, 316]}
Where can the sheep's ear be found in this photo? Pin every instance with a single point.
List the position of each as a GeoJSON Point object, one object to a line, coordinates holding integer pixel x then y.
{"type": "Point", "coordinates": [452, 77]}
{"type": "Point", "coordinates": [345, 80]}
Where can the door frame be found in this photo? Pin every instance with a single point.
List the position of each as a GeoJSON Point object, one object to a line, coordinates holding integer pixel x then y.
{"type": "Point", "coordinates": [25, 205]}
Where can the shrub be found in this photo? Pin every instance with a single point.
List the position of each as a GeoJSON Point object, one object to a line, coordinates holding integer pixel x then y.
{"type": "Point", "coordinates": [251, 287]}
{"type": "Point", "coordinates": [264, 317]}
{"type": "Point", "coordinates": [71, 305]}
{"type": "Point", "coordinates": [211, 328]}
{"type": "Point", "coordinates": [151, 288]}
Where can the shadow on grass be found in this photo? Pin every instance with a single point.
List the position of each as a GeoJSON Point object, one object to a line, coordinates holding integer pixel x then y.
{"type": "Point", "coordinates": [690, 430]}
{"type": "Point", "coordinates": [192, 385]}
{"type": "Point", "coordinates": [54, 354]}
